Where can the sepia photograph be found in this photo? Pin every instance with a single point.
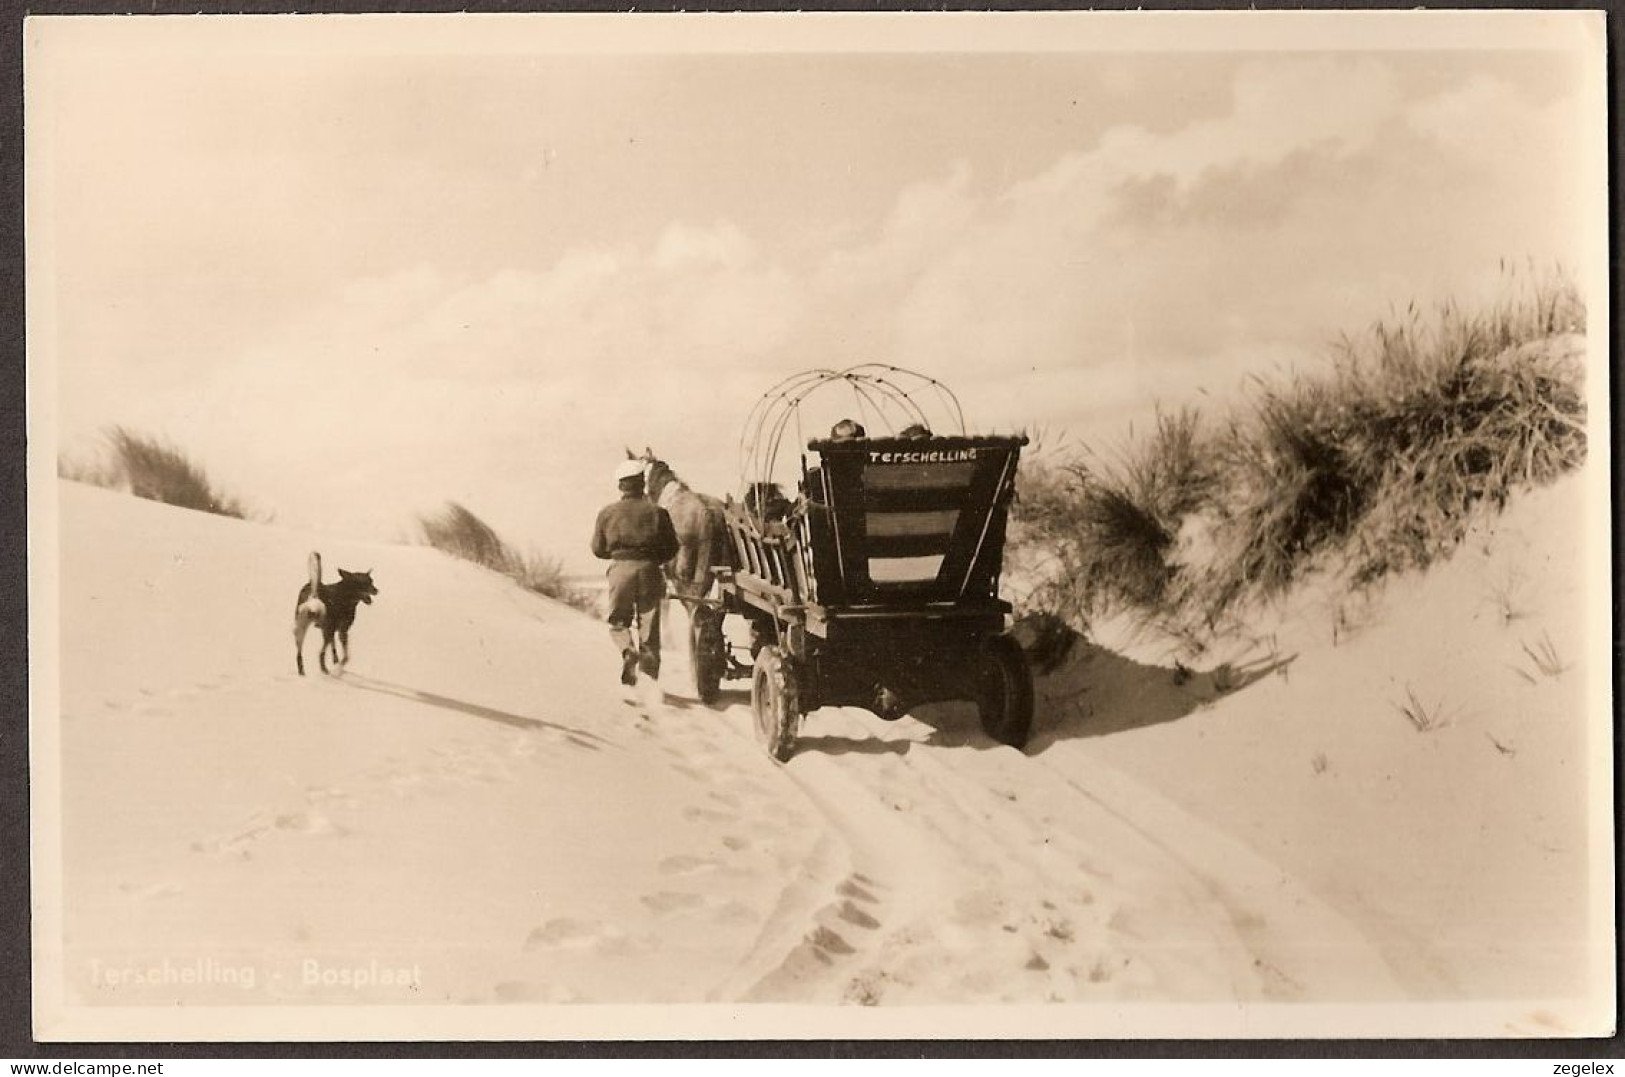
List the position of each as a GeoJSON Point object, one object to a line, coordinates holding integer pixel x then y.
{"type": "Point", "coordinates": [1031, 525]}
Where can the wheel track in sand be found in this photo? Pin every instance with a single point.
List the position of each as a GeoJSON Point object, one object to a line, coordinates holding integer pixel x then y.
{"type": "Point", "coordinates": [958, 899]}
{"type": "Point", "coordinates": [1185, 913]}
{"type": "Point", "coordinates": [1119, 922]}
{"type": "Point", "coordinates": [968, 853]}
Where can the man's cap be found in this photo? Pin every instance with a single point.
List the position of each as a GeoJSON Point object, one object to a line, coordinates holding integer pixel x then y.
{"type": "Point", "coordinates": [848, 428]}
{"type": "Point", "coordinates": [628, 469]}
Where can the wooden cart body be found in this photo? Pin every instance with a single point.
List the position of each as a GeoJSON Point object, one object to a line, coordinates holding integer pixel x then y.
{"type": "Point", "coordinates": [877, 587]}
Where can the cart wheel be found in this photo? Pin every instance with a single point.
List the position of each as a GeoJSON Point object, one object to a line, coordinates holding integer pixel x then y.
{"type": "Point", "coordinates": [775, 700]}
{"type": "Point", "coordinates": [707, 652]}
{"type": "Point", "coordinates": [1004, 696]}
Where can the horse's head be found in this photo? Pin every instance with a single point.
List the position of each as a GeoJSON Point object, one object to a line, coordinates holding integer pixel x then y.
{"type": "Point", "coordinates": [645, 459]}
{"type": "Point", "coordinates": [656, 472]}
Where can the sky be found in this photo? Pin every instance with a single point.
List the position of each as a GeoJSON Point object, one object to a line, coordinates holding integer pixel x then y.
{"type": "Point", "coordinates": [359, 269]}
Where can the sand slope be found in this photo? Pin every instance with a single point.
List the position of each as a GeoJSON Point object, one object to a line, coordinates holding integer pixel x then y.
{"type": "Point", "coordinates": [477, 812]}
{"type": "Point", "coordinates": [1461, 851]}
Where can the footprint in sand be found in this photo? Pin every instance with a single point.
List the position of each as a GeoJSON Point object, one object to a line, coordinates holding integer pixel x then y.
{"type": "Point", "coordinates": [319, 794]}
{"type": "Point", "coordinates": [850, 888]}
{"type": "Point", "coordinates": [1089, 867]}
{"type": "Point", "coordinates": [978, 909]}
{"type": "Point", "coordinates": [568, 933]}
{"type": "Point", "coordinates": [237, 845]}
{"type": "Point", "coordinates": [311, 823]}
{"type": "Point", "coordinates": [817, 951]}
{"type": "Point", "coordinates": [666, 902]}
{"type": "Point", "coordinates": [735, 843]}
{"type": "Point", "coordinates": [523, 991]}
{"type": "Point", "coordinates": [691, 773]}
{"type": "Point", "coordinates": [826, 941]}
{"type": "Point", "coordinates": [852, 914]}
{"type": "Point", "coordinates": [1060, 929]}
{"type": "Point", "coordinates": [1123, 922]}
{"type": "Point", "coordinates": [865, 990]}
{"type": "Point", "coordinates": [708, 815]}
{"type": "Point", "coordinates": [308, 822]}
{"type": "Point", "coordinates": [683, 864]}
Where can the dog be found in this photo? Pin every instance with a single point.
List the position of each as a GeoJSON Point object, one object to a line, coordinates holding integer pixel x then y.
{"type": "Point", "coordinates": [332, 607]}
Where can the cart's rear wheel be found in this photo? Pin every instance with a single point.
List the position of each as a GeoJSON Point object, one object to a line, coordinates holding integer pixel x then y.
{"type": "Point", "coordinates": [1004, 692]}
{"type": "Point", "coordinates": [707, 651]}
{"type": "Point", "coordinates": [775, 700]}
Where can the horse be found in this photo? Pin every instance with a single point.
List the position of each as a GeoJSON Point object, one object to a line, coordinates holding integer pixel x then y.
{"type": "Point", "coordinates": [702, 535]}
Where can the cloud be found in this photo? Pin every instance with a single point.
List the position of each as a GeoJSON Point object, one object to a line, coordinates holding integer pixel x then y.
{"type": "Point", "coordinates": [1143, 268]}
{"type": "Point", "coordinates": [1322, 199]}
{"type": "Point", "coordinates": [410, 387]}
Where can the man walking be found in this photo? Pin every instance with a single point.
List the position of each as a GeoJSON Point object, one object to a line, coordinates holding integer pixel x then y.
{"type": "Point", "coordinates": [636, 536]}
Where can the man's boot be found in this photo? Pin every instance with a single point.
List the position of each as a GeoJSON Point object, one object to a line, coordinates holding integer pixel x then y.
{"type": "Point", "coordinates": [629, 666]}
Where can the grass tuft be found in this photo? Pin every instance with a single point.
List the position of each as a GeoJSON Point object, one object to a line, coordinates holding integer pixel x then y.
{"type": "Point", "coordinates": [1112, 527]}
{"type": "Point", "coordinates": [1372, 467]}
{"type": "Point", "coordinates": [1426, 719]}
{"type": "Point", "coordinates": [458, 531]}
{"type": "Point", "coordinates": [92, 471]}
{"type": "Point", "coordinates": [1544, 658]}
{"type": "Point", "coordinates": [154, 469]}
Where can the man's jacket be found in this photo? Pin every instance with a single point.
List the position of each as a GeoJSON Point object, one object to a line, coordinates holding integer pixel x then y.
{"type": "Point", "coordinates": [634, 529]}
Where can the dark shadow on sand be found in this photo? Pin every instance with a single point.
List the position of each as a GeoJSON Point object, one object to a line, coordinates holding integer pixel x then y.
{"type": "Point", "coordinates": [829, 745]}
{"type": "Point", "coordinates": [1097, 692]}
{"type": "Point", "coordinates": [491, 714]}
{"type": "Point", "coordinates": [1093, 692]}
{"type": "Point", "coordinates": [728, 697]}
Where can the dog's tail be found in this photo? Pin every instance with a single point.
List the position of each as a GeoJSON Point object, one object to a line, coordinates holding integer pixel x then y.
{"type": "Point", "coordinates": [313, 608]}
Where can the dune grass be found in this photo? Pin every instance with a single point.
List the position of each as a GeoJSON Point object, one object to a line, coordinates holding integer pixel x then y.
{"type": "Point", "coordinates": [458, 531]}
{"type": "Point", "coordinates": [152, 468]}
{"type": "Point", "coordinates": [1369, 468]}
{"type": "Point", "coordinates": [1109, 525]}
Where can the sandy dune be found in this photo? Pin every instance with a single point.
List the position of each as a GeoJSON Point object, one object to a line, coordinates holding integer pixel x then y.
{"type": "Point", "coordinates": [476, 812]}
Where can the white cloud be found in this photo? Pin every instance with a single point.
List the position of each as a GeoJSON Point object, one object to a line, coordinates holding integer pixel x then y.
{"type": "Point", "coordinates": [1135, 271]}
{"type": "Point", "coordinates": [682, 247]}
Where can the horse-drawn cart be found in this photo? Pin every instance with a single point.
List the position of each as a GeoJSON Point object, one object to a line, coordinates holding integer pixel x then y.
{"type": "Point", "coordinates": [877, 586]}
